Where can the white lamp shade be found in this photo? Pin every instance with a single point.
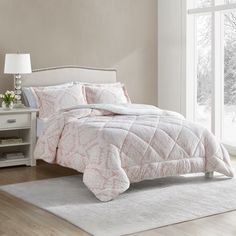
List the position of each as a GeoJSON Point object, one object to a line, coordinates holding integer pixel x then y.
{"type": "Point", "coordinates": [17, 64]}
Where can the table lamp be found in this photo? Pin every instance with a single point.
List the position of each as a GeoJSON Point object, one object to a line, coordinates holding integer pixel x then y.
{"type": "Point", "coordinates": [17, 64]}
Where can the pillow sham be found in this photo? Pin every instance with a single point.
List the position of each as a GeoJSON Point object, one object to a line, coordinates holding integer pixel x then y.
{"type": "Point", "coordinates": [107, 93]}
{"type": "Point", "coordinates": [53, 100]}
{"type": "Point", "coordinates": [31, 99]}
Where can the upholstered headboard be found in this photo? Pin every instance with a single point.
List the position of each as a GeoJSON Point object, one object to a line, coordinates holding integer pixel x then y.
{"type": "Point", "coordinates": [63, 74]}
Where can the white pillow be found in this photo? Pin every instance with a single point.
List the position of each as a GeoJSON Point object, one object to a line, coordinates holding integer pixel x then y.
{"type": "Point", "coordinates": [106, 93]}
{"type": "Point", "coordinates": [31, 99]}
{"type": "Point", "coordinates": [53, 100]}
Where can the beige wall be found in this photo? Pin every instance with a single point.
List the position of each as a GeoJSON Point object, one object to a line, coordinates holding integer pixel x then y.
{"type": "Point", "coordinates": [119, 34]}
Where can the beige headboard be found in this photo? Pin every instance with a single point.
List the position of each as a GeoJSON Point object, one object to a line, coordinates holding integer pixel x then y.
{"type": "Point", "coordinates": [63, 74]}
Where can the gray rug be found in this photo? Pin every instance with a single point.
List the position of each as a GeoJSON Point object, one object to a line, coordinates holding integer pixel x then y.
{"type": "Point", "coordinates": [144, 206]}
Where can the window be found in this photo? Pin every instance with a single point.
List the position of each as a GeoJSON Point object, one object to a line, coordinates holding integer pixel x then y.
{"type": "Point", "coordinates": [203, 75]}
{"type": "Point", "coordinates": [202, 3]}
{"type": "Point", "coordinates": [229, 118]}
{"type": "Point", "coordinates": [212, 66]}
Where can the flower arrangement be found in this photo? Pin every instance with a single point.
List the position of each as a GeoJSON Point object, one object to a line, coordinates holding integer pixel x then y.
{"type": "Point", "coordinates": [8, 99]}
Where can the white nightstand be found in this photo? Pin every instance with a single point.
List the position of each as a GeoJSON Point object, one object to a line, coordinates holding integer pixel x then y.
{"type": "Point", "coordinates": [18, 123]}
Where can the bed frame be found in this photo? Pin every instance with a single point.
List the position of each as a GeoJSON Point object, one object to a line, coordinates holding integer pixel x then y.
{"type": "Point", "coordinates": [63, 74]}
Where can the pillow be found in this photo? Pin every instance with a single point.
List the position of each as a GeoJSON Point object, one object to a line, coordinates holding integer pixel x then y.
{"type": "Point", "coordinates": [29, 95]}
{"type": "Point", "coordinates": [53, 100]}
{"type": "Point", "coordinates": [107, 93]}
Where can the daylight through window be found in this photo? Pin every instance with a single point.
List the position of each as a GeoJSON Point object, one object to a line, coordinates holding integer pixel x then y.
{"type": "Point", "coordinates": [214, 69]}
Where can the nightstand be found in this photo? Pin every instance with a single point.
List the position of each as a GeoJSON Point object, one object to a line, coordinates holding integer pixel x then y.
{"type": "Point", "coordinates": [20, 123]}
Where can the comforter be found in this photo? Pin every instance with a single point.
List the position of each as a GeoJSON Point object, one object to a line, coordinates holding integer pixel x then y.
{"type": "Point", "coordinates": [115, 145]}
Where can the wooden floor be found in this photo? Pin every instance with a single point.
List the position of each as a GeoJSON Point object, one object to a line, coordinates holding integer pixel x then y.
{"type": "Point", "coordinates": [22, 219]}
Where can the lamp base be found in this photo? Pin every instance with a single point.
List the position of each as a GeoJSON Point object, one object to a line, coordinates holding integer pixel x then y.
{"type": "Point", "coordinates": [18, 92]}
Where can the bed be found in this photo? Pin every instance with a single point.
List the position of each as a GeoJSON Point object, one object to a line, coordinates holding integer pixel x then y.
{"type": "Point", "coordinates": [115, 144]}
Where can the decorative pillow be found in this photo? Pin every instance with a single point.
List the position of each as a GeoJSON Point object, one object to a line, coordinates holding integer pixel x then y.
{"type": "Point", "coordinates": [115, 94]}
{"type": "Point", "coordinates": [53, 100]}
{"type": "Point", "coordinates": [31, 99]}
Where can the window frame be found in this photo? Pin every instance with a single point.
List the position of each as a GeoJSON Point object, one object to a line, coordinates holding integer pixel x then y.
{"type": "Point", "coordinates": [217, 64]}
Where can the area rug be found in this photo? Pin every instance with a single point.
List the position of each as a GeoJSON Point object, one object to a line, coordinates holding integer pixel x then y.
{"type": "Point", "coordinates": [144, 206]}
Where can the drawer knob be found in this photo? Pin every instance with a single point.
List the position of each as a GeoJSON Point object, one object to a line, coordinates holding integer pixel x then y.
{"type": "Point", "coordinates": [10, 121]}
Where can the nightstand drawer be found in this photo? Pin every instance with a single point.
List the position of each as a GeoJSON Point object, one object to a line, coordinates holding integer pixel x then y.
{"type": "Point", "coordinates": [14, 121]}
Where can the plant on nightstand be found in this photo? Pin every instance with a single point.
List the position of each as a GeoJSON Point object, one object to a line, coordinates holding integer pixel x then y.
{"type": "Point", "coordinates": [8, 99]}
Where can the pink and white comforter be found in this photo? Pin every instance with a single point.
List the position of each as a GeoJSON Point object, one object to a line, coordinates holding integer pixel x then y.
{"type": "Point", "coordinates": [115, 145]}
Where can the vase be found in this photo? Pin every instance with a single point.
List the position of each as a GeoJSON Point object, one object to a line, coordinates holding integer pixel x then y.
{"type": "Point", "coordinates": [7, 105]}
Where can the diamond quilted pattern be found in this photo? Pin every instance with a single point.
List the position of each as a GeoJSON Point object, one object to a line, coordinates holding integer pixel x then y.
{"type": "Point", "coordinates": [113, 151]}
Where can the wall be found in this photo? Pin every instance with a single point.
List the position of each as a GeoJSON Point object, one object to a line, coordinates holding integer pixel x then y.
{"type": "Point", "coordinates": [171, 55]}
{"type": "Point", "coordinates": [117, 34]}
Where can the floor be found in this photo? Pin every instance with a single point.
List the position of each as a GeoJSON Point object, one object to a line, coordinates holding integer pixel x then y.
{"type": "Point", "coordinates": [20, 218]}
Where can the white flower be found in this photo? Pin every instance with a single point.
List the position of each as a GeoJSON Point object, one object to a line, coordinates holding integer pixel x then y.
{"type": "Point", "coordinates": [1, 96]}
